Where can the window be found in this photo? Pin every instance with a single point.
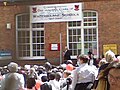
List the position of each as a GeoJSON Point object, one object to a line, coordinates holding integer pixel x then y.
{"type": "Point", "coordinates": [30, 38]}
{"type": "Point", "coordinates": [90, 32]}
{"type": "Point", "coordinates": [38, 39]}
{"type": "Point", "coordinates": [75, 39]}
{"type": "Point", "coordinates": [83, 35]}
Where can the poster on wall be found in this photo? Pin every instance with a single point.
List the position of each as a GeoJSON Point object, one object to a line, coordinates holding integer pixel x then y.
{"type": "Point", "coordinates": [112, 47]}
{"type": "Point", "coordinates": [56, 12]}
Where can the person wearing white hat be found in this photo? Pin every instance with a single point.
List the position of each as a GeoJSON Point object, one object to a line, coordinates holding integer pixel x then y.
{"type": "Point", "coordinates": [12, 80]}
{"type": "Point", "coordinates": [109, 57]}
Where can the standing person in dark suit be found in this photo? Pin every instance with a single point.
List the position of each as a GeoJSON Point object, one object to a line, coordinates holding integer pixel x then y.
{"type": "Point", "coordinates": [92, 60]}
{"type": "Point", "coordinates": [90, 54]}
{"type": "Point", "coordinates": [67, 54]}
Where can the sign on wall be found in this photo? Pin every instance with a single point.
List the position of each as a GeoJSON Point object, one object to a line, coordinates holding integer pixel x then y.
{"type": "Point", "coordinates": [55, 46]}
{"type": "Point", "coordinates": [5, 55]}
{"type": "Point", "coordinates": [112, 47]}
{"type": "Point", "coordinates": [56, 12]}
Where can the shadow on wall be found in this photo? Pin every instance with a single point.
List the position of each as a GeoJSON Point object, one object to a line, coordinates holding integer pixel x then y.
{"type": "Point", "coordinates": [5, 62]}
{"type": "Point", "coordinates": [23, 62]}
{"type": "Point", "coordinates": [55, 61]}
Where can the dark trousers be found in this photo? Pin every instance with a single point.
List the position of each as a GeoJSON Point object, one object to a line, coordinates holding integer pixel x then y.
{"type": "Point", "coordinates": [84, 86]}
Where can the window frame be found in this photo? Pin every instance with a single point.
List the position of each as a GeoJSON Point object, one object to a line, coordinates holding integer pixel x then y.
{"type": "Point", "coordinates": [82, 27]}
{"type": "Point", "coordinates": [31, 30]}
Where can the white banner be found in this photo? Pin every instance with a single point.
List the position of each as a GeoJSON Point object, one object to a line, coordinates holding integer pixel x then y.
{"type": "Point", "coordinates": [56, 12]}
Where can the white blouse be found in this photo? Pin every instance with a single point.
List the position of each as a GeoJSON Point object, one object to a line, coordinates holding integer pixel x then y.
{"type": "Point", "coordinates": [83, 74]}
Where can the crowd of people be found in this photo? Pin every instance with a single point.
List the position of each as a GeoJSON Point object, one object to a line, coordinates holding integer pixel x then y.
{"type": "Point", "coordinates": [66, 76]}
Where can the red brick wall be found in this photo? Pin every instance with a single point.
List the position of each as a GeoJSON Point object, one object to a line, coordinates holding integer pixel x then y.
{"type": "Point", "coordinates": [8, 37]}
{"type": "Point", "coordinates": [108, 19]}
{"type": "Point", "coordinates": [108, 29]}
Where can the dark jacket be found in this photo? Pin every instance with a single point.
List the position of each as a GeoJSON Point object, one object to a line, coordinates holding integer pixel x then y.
{"type": "Point", "coordinates": [46, 86]}
{"type": "Point", "coordinates": [67, 55]}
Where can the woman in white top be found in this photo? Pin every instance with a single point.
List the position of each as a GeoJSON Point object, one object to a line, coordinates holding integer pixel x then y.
{"type": "Point", "coordinates": [84, 75]}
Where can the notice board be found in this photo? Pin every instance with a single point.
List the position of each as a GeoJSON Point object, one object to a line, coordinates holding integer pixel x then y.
{"type": "Point", "coordinates": [112, 47]}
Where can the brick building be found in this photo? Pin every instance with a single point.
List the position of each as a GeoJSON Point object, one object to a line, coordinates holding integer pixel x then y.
{"type": "Point", "coordinates": [34, 43]}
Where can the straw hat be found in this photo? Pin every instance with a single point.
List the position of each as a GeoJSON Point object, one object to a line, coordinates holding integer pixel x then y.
{"type": "Point", "coordinates": [109, 56]}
